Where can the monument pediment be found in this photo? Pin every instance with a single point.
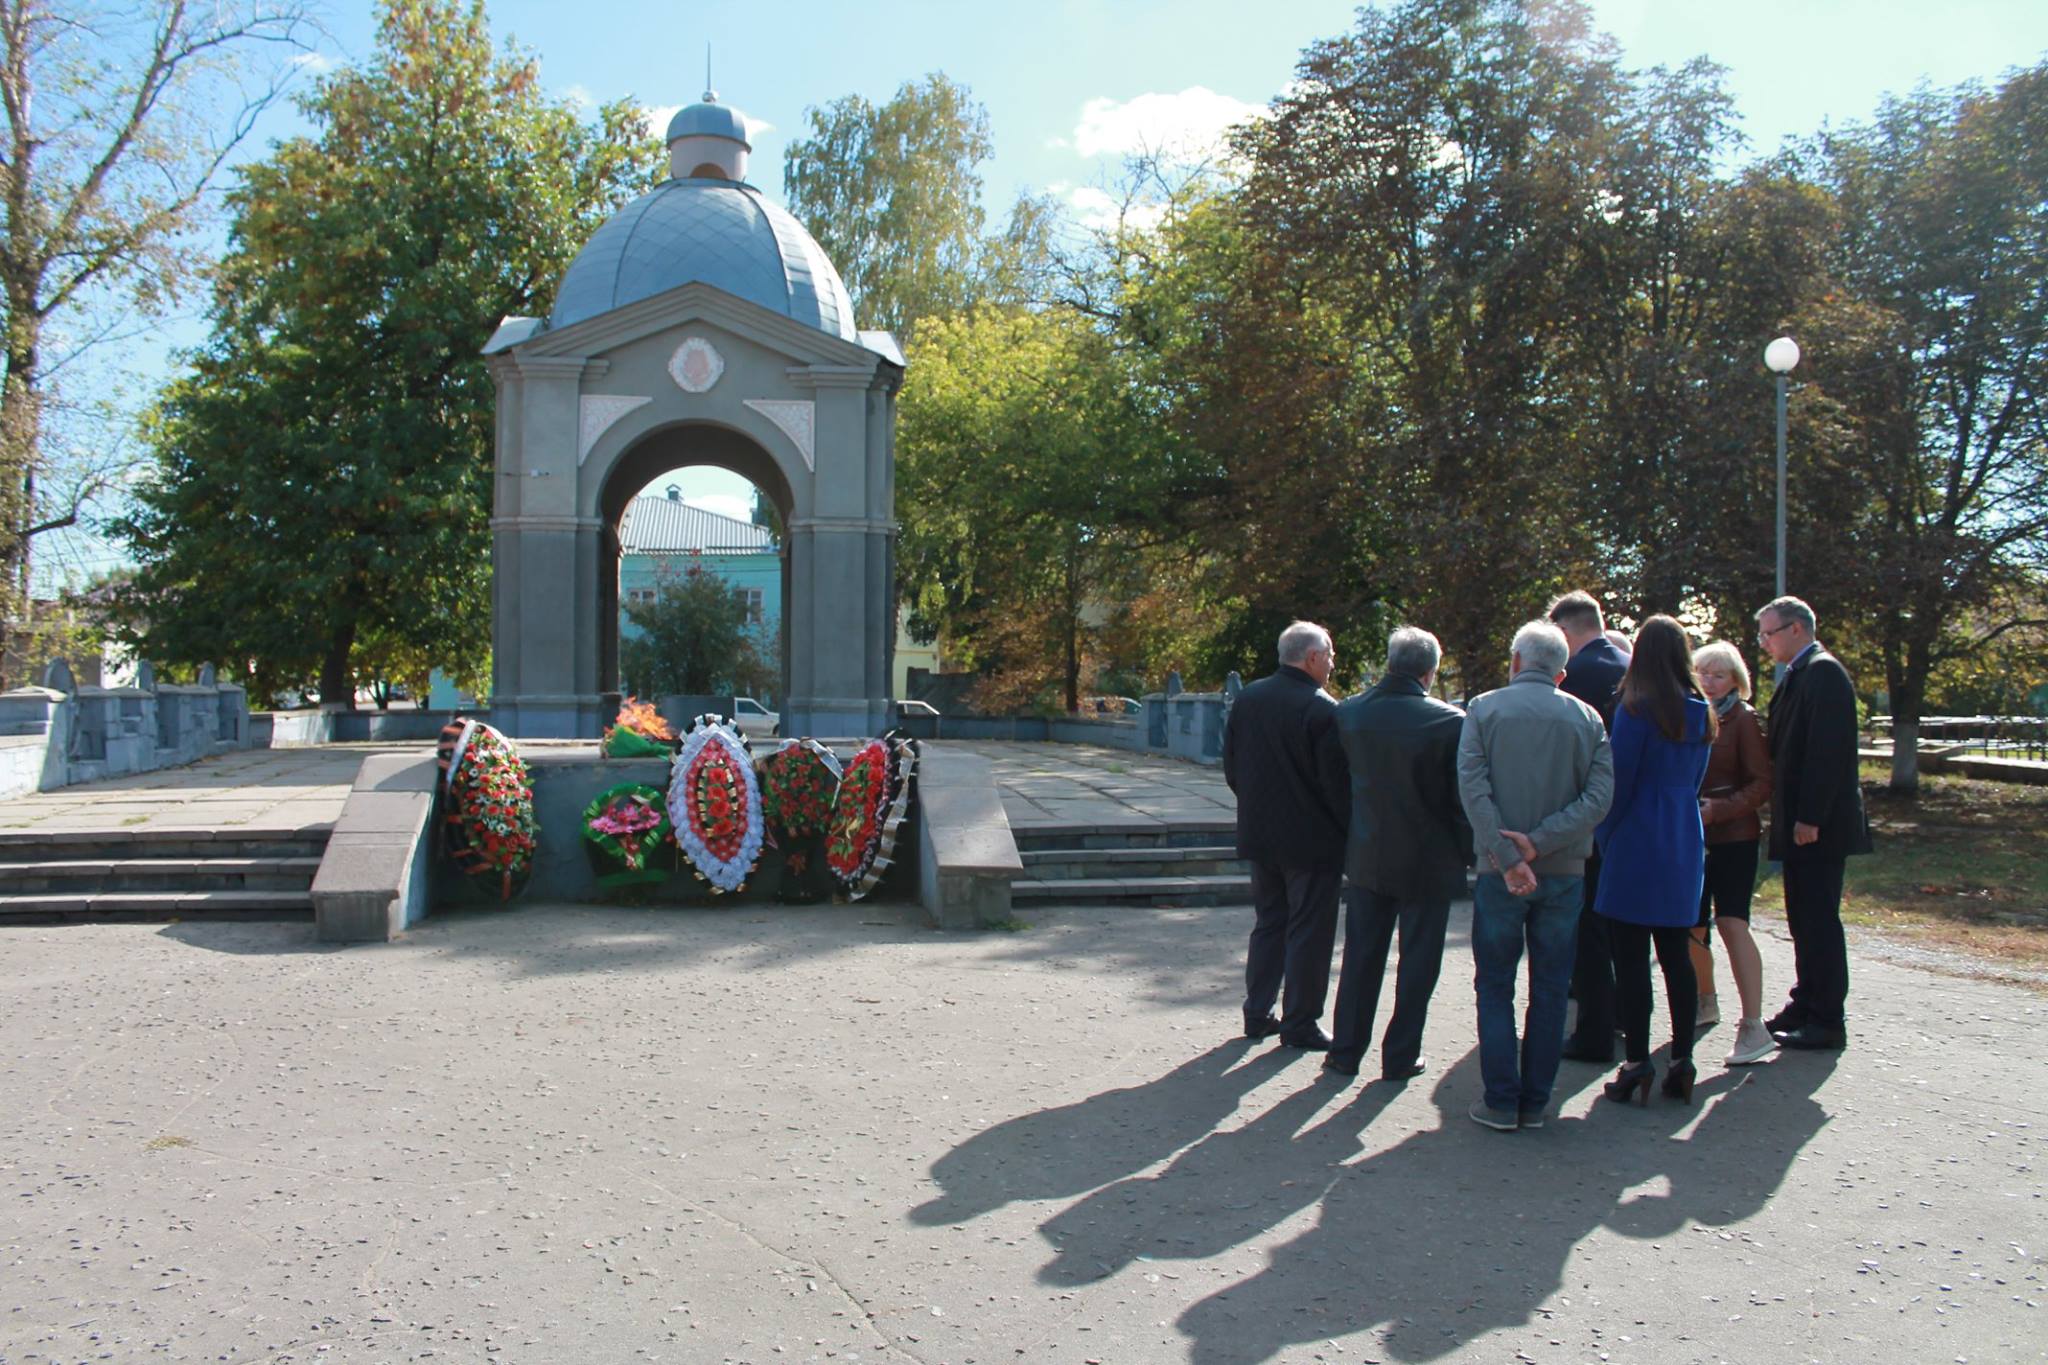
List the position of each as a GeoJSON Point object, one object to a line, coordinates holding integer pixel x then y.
{"type": "Point", "coordinates": [698, 302]}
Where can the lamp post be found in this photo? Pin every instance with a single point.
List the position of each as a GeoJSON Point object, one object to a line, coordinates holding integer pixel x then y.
{"type": "Point", "coordinates": [1779, 358]}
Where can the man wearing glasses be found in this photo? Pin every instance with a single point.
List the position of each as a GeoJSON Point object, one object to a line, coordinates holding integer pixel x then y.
{"type": "Point", "coordinates": [1817, 819]}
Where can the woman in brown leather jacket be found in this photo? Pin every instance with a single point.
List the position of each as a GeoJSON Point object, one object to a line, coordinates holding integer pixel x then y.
{"type": "Point", "coordinates": [1737, 784]}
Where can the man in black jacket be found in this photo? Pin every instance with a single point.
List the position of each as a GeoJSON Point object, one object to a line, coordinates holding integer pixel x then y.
{"type": "Point", "coordinates": [1404, 862]}
{"type": "Point", "coordinates": [1593, 674]}
{"type": "Point", "coordinates": [1282, 760]}
{"type": "Point", "coordinates": [1817, 818]}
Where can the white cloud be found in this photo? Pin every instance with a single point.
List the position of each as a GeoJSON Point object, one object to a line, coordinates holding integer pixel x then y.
{"type": "Point", "coordinates": [1188, 126]}
{"type": "Point", "coordinates": [579, 98]}
{"type": "Point", "coordinates": [1097, 210]}
{"type": "Point", "coordinates": [314, 63]}
{"type": "Point", "coordinates": [740, 509]}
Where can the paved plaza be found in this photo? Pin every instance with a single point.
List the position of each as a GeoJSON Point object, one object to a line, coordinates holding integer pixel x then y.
{"type": "Point", "coordinates": [562, 1133]}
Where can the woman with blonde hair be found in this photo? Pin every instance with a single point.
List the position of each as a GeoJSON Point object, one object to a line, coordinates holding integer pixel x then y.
{"type": "Point", "coordinates": [1737, 784]}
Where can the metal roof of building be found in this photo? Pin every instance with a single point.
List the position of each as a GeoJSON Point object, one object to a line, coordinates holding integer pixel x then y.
{"type": "Point", "coordinates": [718, 232]}
{"type": "Point", "coordinates": [671, 526]}
{"type": "Point", "coordinates": [709, 118]}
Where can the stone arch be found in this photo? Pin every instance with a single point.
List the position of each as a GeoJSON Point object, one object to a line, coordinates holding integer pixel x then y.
{"type": "Point", "coordinates": [665, 448]}
{"type": "Point", "coordinates": [692, 375]}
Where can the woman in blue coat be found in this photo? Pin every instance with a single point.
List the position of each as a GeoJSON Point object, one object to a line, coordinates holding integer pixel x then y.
{"type": "Point", "coordinates": [1653, 850]}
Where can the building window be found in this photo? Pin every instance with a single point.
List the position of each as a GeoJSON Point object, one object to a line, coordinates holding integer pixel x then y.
{"type": "Point", "coordinates": [642, 594]}
{"type": "Point", "coordinates": [755, 603]}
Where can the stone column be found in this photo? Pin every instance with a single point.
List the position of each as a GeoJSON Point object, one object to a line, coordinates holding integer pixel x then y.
{"type": "Point", "coordinates": [544, 556]}
{"type": "Point", "coordinates": [841, 629]}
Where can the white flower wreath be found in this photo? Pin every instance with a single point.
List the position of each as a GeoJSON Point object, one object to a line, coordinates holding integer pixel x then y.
{"type": "Point", "coordinates": [723, 874]}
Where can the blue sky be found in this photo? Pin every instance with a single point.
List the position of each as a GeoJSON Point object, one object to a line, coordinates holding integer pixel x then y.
{"type": "Point", "coordinates": [1071, 85]}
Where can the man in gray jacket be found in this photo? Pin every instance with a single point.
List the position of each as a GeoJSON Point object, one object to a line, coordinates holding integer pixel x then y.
{"type": "Point", "coordinates": [1535, 776]}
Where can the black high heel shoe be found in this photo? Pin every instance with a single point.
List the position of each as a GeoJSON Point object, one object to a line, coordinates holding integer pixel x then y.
{"type": "Point", "coordinates": [1678, 1083]}
{"type": "Point", "coordinates": [1633, 1080]}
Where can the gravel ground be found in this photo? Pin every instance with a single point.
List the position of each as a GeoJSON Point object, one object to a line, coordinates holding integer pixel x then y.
{"type": "Point", "coordinates": [567, 1134]}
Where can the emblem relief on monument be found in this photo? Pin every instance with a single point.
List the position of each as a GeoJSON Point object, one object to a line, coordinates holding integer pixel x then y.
{"type": "Point", "coordinates": [696, 365]}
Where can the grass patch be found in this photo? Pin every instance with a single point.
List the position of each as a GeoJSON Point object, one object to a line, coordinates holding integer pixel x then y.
{"type": "Point", "coordinates": [166, 1142]}
{"type": "Point", "coordinates": [1957, 866]}
{"type": "Point", "coordinates": [1008, 925]}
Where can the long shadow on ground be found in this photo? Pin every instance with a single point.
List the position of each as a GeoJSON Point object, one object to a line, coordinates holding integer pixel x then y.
{"type": "Point", "coordinates": [1459, 1231]}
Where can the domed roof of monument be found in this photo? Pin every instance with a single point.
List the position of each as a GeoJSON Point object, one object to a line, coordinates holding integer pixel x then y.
{"type": "Point", "coordinates": [706, 228]}
{"type": "Point", "coordinates": [708, 118]}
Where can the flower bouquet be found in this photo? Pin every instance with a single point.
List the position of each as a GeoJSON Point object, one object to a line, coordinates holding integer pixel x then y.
{"type": "Point", "coordinates": [624, 830]}
{"type": "Point", "coordinates": [798, 782]}
{"type": "Point", "coordinates": [486, 807]}
{"type": "Point", "coordinates": [874, 795]}
{"type": "Point", "coordinates": [715, 801]}
{"type": "Point", "coordinates": [639, 732]}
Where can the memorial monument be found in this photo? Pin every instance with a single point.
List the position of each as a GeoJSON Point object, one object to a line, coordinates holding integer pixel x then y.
{"type": "Point", "coordinates": [700, 325]}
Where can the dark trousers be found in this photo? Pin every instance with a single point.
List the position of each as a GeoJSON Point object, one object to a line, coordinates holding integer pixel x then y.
{"type": "Point", "coordinates": [1370, 918]}
{"type": "Point", "coordinates": [1593, 975]}
{"type": "Point", "coordinates": [1632, 984]}
{"type": "Point", "coordinates": [1291, 942]}
{"type": "Point", "coordinates": [1820, 955]}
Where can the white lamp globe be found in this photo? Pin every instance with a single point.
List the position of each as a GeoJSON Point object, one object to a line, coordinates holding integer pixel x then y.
{"type": "Point", "coordinates": [1781, 355]}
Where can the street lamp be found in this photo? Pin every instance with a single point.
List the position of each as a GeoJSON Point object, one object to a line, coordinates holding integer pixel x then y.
{"type": "Point", "coordinates": [1779, 358]}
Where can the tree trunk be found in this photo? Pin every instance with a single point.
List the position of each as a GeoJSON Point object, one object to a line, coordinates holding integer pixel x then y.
{"type": "Point", "coordinates": [337, 684]}
{"type": "Point", "coordinates": [1908, 684]}
{"type": "Point", "coordinates": [1073, 634]}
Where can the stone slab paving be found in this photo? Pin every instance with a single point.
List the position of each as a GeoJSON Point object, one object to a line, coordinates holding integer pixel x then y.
{"type": "Point", "coordinates": [1069, 784]}
{"type": "Point", "coordinates": [612, 1135]}
{"type": "Point", "coordinates": [255, 789]}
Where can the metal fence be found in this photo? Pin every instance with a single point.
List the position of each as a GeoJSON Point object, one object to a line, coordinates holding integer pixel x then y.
{"type": "Point", "coordinates": [1995, 736]}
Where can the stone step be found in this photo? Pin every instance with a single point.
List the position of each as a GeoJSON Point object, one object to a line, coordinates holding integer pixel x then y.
{"type": "Point", "coordinates": [1183, 834]}
{"type": "Point", "coordinates": [105, 846]}
{"type": "Point", "coordinates": [1159, 891]}
{"type": "Point", "coordinates": [161, 874]}
{"type": "Point", "coordinates": [156, 905]}
{"type": "Point", "coordinates": [1052, 864]}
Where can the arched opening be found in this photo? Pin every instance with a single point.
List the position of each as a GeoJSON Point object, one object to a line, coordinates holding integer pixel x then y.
{"type": "Point", "coordinates": [654, 466]}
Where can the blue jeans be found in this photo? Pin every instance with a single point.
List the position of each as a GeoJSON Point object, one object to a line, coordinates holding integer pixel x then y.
{"type": "Point", "coordinates": [1519, 1074]}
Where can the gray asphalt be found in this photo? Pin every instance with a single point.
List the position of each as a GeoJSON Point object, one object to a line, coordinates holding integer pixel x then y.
{"type": "Point", "coordinates": [563, 1134]}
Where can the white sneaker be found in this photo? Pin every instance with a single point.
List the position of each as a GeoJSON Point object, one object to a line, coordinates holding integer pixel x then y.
{"type": "Point", "coordinates": [1753, 1043]}
{"type": "Point", "coordinates": [1709, 1012]}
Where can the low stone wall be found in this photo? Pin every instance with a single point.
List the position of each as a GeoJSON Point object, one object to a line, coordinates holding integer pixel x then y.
{"type": "Point", "coordinates": [1186, 725]}
{"type": "Point", "coordinates": [966, 854]}
{"type": "Point", "coordinates": [377, 874]}
{"type": "Point", "coordinates": [87, 734]}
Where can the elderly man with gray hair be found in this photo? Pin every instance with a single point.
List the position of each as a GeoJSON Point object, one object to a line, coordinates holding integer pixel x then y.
{"type": "Point", "coordinates": [1406, 856]}
{"type": "Point", "coordinates": [1531, 758]}
{"type": "Point", "coordinates": [1283, 763]}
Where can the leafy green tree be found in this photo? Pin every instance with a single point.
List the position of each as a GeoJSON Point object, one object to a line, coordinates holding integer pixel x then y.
{"type": "Point", "coordinates": [1026, 473]}
{"type": "Point", "coordinates": [114, 120]}
{"type": "Point", "coordinates": [1931, 363]}
{"type": "Point", "coordinates": [694, 637]}
{"type": "Point", "coordinates": [892, 192]}
{"type": "Point", "coordinates": [323, 473]}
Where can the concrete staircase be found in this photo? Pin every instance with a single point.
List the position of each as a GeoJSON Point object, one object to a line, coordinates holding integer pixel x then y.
{"type": "Point", "coordinates": [1188, 863]}
{"type": "Point", "coordinates": [159, 874]}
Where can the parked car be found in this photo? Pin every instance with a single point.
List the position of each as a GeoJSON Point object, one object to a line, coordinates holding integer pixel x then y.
{"type": "Point", "coordinates": [1111, 706]}
{"type": "Point", "coordinates": [907, 710]}
{"type": "Point", "coordinates": [755, 720]}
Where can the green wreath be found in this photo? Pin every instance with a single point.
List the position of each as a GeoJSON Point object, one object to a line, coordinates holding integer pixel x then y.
{"type": "Point", "coordinates": [626, 827]}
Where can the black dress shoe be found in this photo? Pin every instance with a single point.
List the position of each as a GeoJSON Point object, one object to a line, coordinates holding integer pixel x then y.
{"type": "Point", "coordinates": [1576, 1051]}
{"type": "Point", "coordinates": [1400, 1075]}
{"type": "Point", "coordinates": [1815, 1038]}
{"type": "Point", "coordinates": [1341, 1064]}
{"type": "Point", "coordinates": [1785, 1021]}
{"type": "Point", "coordinates": [1315, 1040]}
{"type": "Point", "coordinates": [1261, 1028]}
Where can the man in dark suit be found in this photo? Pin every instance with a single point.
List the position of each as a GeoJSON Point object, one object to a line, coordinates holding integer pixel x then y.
{"type": "Point", "coordinates": [1282, 760]}
{"type": "Point", "coordinates": [1593, 675]}
{"type": "Point", "coordinates": [1404, 862]}
{"type": "Point", "coordinates": [1817, 819]}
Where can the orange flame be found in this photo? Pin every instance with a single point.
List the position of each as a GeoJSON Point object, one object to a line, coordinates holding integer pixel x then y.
{"type": "Point", "coordinates": [642, 719]}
